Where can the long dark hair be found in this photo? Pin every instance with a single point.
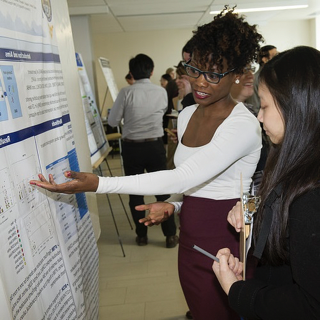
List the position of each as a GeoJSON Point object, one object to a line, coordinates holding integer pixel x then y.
{"type": "Point", "coordinates": [293, 79]}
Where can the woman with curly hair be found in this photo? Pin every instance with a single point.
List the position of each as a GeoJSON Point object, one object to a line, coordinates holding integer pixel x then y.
{"type": "Point", "coordinates": [219, 139]}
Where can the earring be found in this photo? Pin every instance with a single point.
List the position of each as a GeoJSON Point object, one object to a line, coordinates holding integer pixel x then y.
{"type": "Point", "coordinates": [237, 81]}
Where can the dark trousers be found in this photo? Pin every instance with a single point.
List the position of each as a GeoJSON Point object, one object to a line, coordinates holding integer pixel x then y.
{"type": "Point", "coordinates": [140, 157]}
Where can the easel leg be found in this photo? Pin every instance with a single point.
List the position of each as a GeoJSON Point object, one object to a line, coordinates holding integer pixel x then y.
{"type": "Point", "coordinates": [115, 224]}
{"type": "Point", "coordinates": [124, 208]}
{"type": "Point", "coordinates": [114, 220]}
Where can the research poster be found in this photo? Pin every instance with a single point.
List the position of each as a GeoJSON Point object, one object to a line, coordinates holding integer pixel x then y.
{"type": "Point", "coordinates": [49, 257]}
{"type": "Point", "coordinates": [98, 144]}
{"type": "Point", "coordinates": [108, 74]}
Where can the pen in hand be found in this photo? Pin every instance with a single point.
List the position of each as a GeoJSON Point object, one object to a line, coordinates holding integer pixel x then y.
{"type": "Point", "coordinates": [206, 253]}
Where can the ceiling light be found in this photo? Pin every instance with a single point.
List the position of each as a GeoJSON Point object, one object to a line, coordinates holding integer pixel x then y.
{"type": "Point", "coordinates": [288, 7]}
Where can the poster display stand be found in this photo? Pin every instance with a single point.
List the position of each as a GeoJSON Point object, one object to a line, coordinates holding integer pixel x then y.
{"type": "Point", "coordinates": [108, 74]}
{"type": "Point", "coordinates": [111, 83]}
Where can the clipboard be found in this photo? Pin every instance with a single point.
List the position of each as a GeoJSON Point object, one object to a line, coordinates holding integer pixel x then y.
{"type": "Point", "coordinates": [249, 206]}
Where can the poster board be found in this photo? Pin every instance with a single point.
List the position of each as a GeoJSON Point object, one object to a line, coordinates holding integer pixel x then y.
{"type": "Point", "coordinates": [49, 257]}
{"type": "Point", "coordinates": [108, 74]}
{"type": "Point", "coordinates": [96, 136]}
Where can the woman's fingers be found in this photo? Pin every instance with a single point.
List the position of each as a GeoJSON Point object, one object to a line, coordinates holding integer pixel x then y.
{"type": "Point", "coordinates": [223, 254]}
{"type": "Point", "coordinates": [147, 221]}
{"type": "Point", "coordinates": [80, 182]}
{"type": "Point", "coordinates": [229, 261]}
{"type": "Point", "coordinates": [42, 178]}
{"type": "Point", "coordinates": [51, 180]}
{"type": "Point", "coordinates": [142, 207]}
{"type": "Point", "coordinates": [235, 218]}
{"type": "Point", "coordinates": [227, 270]}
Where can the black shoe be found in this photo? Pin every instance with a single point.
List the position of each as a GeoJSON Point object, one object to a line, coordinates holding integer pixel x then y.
{"type": "Point", "coordinates": [142, 241]}
{"type": "Point", "coordinates": [189, 315]}
{"type": "Point", "coordinates": [172, 241]}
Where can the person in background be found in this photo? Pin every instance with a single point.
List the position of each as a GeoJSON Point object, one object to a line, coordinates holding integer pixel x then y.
{"type": "Point", "coordinates": [218, 139]}
{"type": "Point", "coordinates": [286, 236]}
{"type": "Point", "coordinates": [171, 73]}
{"type": "Point", "coordinates": [183, 84]}
{"type": "Point", "coordinates": [184, 87]}
{"type": "Point", "coordinates": [129, 79]}
{"type": "Point", "coordinates": [241, 91]}
{"type": "Point", "coordinates": [165, 78]}
{"type": "Point", "coordinates": [266, 53]}
{"type": "Point", "coordinates": [187, 51]}
{"type": "Point", "coordinates": [172, 92]}
{"type": "Point", "coordinates": [188, 99]}
{"type": "Point", "coordinates": [142, 146]}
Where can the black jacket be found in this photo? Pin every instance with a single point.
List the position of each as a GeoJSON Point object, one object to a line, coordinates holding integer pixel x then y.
{"type": "Point", "coordinates": [291, 291]}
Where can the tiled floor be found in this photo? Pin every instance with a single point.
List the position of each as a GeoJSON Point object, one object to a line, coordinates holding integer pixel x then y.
{"type": "Point", "coordinates": [143, 285]}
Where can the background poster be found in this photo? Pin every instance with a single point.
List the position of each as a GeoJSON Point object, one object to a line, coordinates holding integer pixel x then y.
{"type": "Point", "coordinates": [49, 258]}
{"type": "Point", "coordinates": [108, 74]}
{"type": "Point", "coordinates": [96, 135]}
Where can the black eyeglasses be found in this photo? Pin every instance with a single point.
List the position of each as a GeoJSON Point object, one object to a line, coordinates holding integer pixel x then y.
{"type": "Point", "coordinates": [212, 77]}
{"type": "Point", "coordinates": [251, 68]}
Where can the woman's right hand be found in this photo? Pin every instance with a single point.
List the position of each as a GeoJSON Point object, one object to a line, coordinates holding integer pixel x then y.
{"type": "Point", "coordinates": [235, 218]}
{"type": "Point", "coordinates": [81, 182]}
{"type": "Point", "coordinates": [228, 270]}
{"type": "Point", "coordinates": [158, 212]}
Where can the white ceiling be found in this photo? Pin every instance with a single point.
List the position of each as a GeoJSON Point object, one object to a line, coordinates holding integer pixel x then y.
{"type": "Point", "coordinates": [140, 15]}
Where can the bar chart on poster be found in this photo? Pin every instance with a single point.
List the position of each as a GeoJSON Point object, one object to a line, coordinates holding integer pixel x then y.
{"type": "Point", "coordinates": [49, 257]}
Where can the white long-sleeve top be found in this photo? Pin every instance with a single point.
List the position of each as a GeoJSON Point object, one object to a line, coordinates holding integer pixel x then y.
{"type": "Point", "coordinates": [210, 171]}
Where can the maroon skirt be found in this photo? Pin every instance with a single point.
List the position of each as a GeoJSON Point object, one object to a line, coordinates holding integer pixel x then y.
{"type": "Point", "coordinates": [203, 222]}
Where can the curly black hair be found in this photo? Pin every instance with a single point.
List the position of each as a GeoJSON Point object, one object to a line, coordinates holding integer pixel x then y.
{"type": "Point", "coordinates": [228, 37]}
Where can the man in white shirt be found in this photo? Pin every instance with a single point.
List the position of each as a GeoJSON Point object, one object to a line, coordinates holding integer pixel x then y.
{"type": "Point", "coordinates": [142, 106]}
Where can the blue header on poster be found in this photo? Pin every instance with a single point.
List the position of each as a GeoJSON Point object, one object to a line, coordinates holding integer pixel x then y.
{"type": "Point", "coordinates": [21, 55]}
{"type": "Point", "coordinates": [79, 61]}
{"type": "Point", "coordinates": [17, 136]}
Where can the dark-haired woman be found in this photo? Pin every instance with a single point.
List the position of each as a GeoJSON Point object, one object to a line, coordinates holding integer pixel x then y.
{"type": "Point", "coordinates": [286, 228]}
{"type": "Point", "coordinates": [218, 140]}
{"type": "Point", "coordinates": [165, 78]}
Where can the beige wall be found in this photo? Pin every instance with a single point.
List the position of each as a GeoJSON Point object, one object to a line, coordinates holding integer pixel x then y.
{"type": "Point", "coordinates": [288, 34]}
{"type": "Point", "coordinates": [164, 47]}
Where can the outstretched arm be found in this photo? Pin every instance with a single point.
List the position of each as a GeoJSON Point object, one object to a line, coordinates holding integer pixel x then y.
{"type": "Point", "coordinates": [240, 133]}
{"type": "Point", "coordinates": [81, 182]}
{"type": "Point", "coordinates": [241, 136]}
